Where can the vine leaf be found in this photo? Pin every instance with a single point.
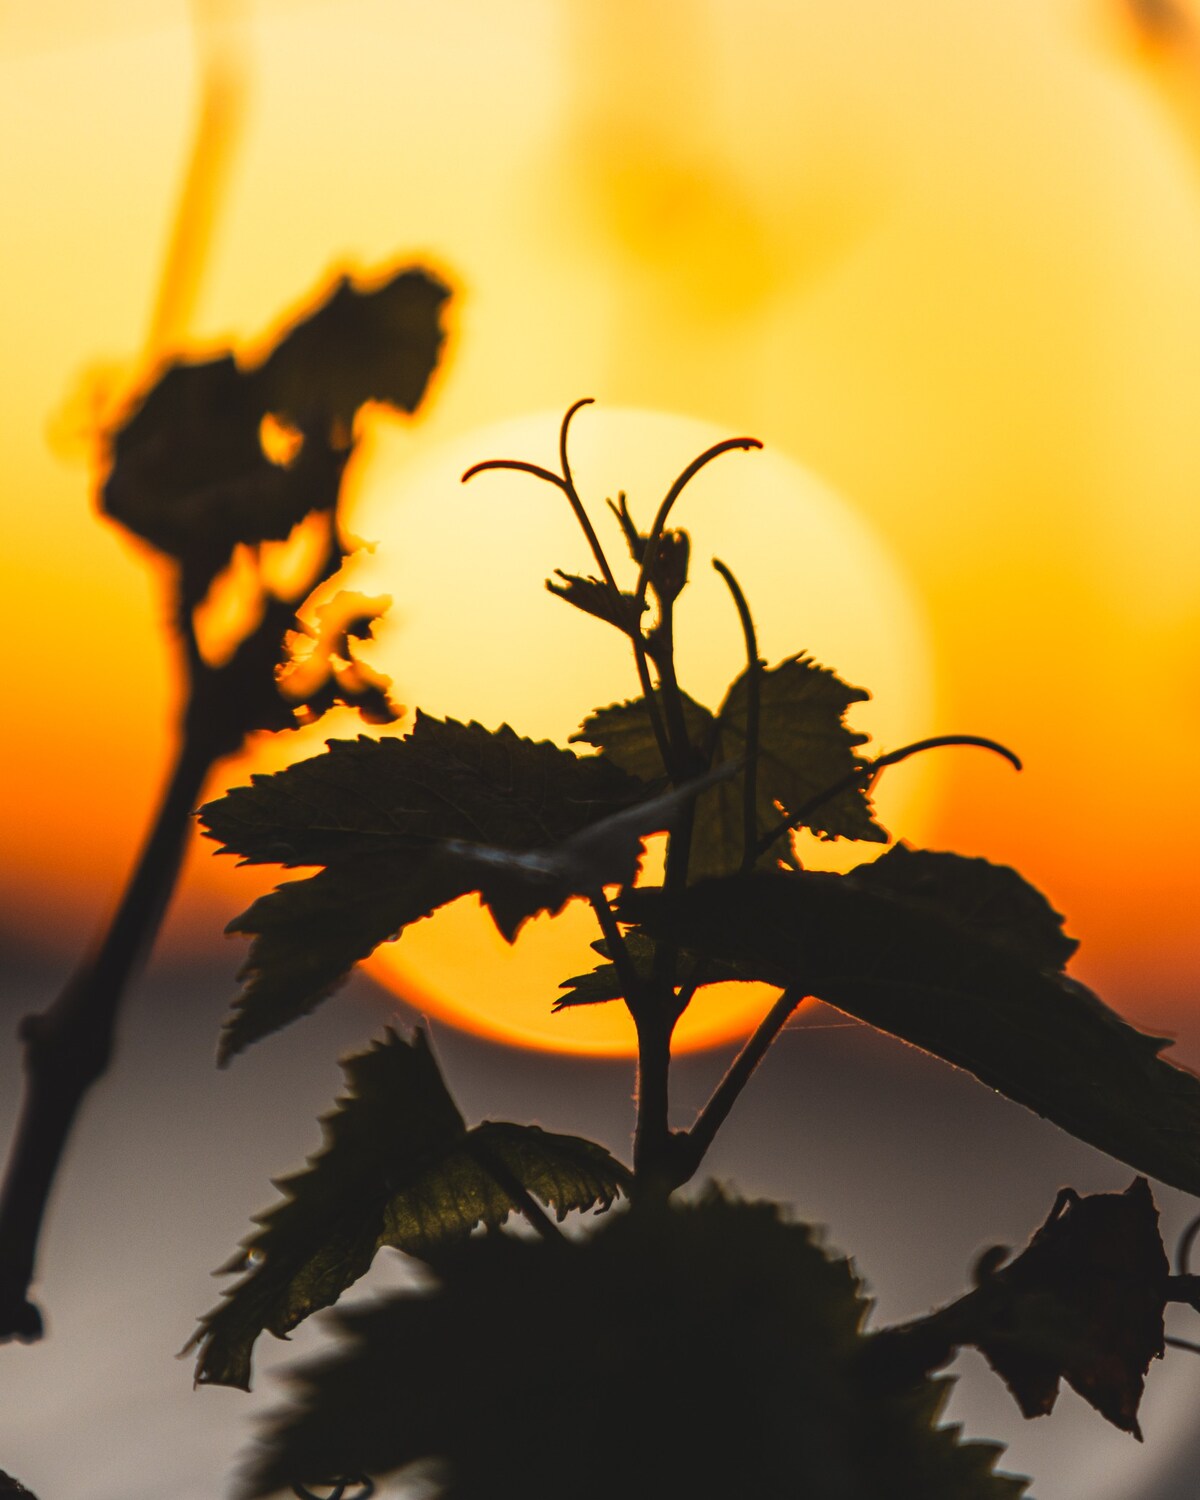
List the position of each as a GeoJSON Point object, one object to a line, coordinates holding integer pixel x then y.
{"type": "Point", "coordinates": [1083, 1302]}
{"type": "Point", "coordinates": [189, 474]}
{"type": "Point", "coordinates": [399, 1168]}
{"type": "Point", "coordinates": [516, 885]}
{"type": "Point", "coordinates": [959, 958]}
{"type": "Point", "coordinates": [403, 826]}
{"type": "Point", "coordinates": [624, 735]}
{"type": "Point", "coordinates": [597, 598]}
{"type": "Point", "coordinates": [714, 1317]}
{"type": "Point", "coordinates": [992, 901]}
{"type": "Point", "coordinates": [804, 747]}
{"type": "Point", "coordinates": [360, 344]}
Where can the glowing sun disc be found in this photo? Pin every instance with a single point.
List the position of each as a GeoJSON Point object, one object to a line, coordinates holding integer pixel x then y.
{"type": "Point", "coordinates": [474, 634]}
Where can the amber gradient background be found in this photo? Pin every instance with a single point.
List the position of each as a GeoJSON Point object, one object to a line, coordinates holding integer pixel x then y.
{"type": "Point", "coordinates": [945, 256]}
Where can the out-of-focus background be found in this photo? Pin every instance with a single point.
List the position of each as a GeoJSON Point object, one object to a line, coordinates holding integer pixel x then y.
{"type": "Point", "coordinates": [944, 261]}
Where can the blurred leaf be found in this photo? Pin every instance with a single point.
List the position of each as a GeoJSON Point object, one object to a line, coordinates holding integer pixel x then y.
{"type": "Point", "coordinates": [403, 826]}
{"type": "Point", "coordinates": [330, 671]}
{"type": "Point", "coordinates": [189, 474]}
{"type": "Point", "coordinates": [965, 980]}
{"type": "Point", "coordinates": [398, 1168]}
{"type": "Point", "coordinates": [804, 748]}
{"type": "Point", "coordinates": [713, 1351]}
{"type": "Point", "coordinates": [359, 345]}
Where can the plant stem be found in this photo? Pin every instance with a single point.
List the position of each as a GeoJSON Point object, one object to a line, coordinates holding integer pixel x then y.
{"type": "Point", "coordinates": [753, 674]}
{"type": "Point", "coordinates": [675, 764]}
{"type": "Point", "coordinates": [573, 496]}
{"type": "Point", "coordinates": [641, 658]}
{"type": "Point", "coordinates": [664, 510]}
{"type": "Point", "coordinates": [654, 1179]}
{"type": "Point", "coordinates": [564, 482]}
{"type": "Point", "coordinates": [668, 683]}
{"type": "Point", "coordinates": [716, 1111]}
{"type": "Point", "coordinates": [68, 1046]}
{"type": "Point", "coordinates": [618, 951]}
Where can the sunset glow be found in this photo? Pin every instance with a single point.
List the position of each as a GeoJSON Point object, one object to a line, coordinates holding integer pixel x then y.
{"type": "Point", "coordinates": [476, 635]}
{"type": "Point", "coordinates": [945, 259]}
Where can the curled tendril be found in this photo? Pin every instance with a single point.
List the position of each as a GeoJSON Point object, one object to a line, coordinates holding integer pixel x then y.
{"type": "Point", "coordinates": [1183, 1251]}
{"type": "Point", "coordinates": [865, 775]}
{"type": "Point", "coordinates": [564, 482]}
{"type": "Point", "coordinates": [360, 1487]}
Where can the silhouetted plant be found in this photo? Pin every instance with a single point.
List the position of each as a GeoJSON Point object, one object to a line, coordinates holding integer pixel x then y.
{"type": "Point", "coordinates": [214, 460]}
{"type": "Point", "coordinates": [702, 1347]}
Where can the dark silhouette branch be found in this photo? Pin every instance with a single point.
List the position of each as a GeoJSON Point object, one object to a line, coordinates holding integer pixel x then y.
{"type": "Point", "coordinates": [69, 1045]}
{"type": "Point", "coordinates": [618, 951]}
{"type": "Point", "coordinates": [674, 756]}
{"type": "Point", "coordinates": [716, 1111]}
{"type": "Point", "coordinates": [654, 535]}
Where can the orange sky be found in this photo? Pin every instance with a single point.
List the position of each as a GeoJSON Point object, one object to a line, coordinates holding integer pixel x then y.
{"type": "Point", "coordinates": [945, 257]}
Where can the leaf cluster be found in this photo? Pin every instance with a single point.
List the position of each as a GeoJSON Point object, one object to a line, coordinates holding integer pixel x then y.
{"type": "Point", "coordinates": [399, 1168]}
{"type": "Point", "coordinates": [1084, 1302]}
{"type": "Point", "coordinates": [219, 457]}
{"type": "Point", "coordinates": [716, 1349]}
{"type": "Point", "coordinates": [720, 1318]}
{"type": "Point", "coordinates": [964, 960]}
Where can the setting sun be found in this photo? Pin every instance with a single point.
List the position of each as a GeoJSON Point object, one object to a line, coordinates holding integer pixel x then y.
{"type": "Point", "coordinates": [475, 634]}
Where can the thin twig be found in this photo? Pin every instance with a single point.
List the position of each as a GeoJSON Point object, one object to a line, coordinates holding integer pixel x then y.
{"type": "Point", "coordinates": [673, 494]}
{"type": "Point", "coordinates": [676, 773]}
{"type": "Point", "coordinates": [753, 676]}
{"type": "Point", "coordinates": [519, 466]}
{"type": "Point", "coordinates": [675, 763]}
{"type": "Point", "coordinates": [716, 1111]}
{"type": "Point", "coordinates": [564, 482]}
{"type": "Point", "coordinates": [618, 952]}
{"type": "Point", "coordinates": [572, 493]}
